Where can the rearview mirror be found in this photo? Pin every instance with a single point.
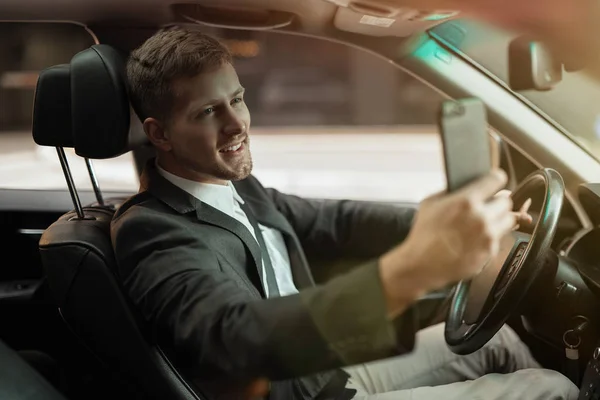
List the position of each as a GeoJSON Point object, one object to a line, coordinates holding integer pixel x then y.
{"type": "Point", "coordinates": [531, 66]}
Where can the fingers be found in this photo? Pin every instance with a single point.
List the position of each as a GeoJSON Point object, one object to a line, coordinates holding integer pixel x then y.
{"type": "Point", "coordinates": [504, 193]}
{"type": "Point", "coordinates": [504, 225]}
{"type": "Point", "coordinates": [500, 219]}
{"type": "Point", "coordinates": [435, 196]}
{"type": "Point", "coordinates": [257, 389]}
{"type": "Point", "coordinates": [497, 209]}
{"type": "Point", "coordinates": [525, 209]}
{"type": "Point", "coordinates": [522, 216]}
{"type": "Point", "coordinates": [485, 187]}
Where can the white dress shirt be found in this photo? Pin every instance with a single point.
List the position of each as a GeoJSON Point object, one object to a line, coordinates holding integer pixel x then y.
{"type": "Point", "coordinates": [226, 199]}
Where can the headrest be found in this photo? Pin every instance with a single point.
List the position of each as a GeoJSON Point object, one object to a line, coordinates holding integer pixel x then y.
{"type": "Point", "coordinates": [52, 108]}
{"type": "Point", "coordinates": [104, 124]}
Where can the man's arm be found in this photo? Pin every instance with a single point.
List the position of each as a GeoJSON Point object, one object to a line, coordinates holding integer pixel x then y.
{"type": "Point", "coordinates": [342, 228]}
{"type": "Point", "coordinates": [175, 281]}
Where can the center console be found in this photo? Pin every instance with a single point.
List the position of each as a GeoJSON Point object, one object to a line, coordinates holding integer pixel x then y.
{"type": "Point", "coordinates": [590, 385]}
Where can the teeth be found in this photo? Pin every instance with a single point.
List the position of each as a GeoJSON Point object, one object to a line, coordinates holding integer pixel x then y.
{"type": "Point", "coordinates": [233, 148]}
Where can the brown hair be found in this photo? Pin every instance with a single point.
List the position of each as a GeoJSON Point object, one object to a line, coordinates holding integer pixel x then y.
{"type": "Point", "coordinates": [169, 54]}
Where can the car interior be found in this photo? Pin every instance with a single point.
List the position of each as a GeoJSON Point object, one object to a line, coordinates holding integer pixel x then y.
{"type": "Point", "coordinates": [69, 331]}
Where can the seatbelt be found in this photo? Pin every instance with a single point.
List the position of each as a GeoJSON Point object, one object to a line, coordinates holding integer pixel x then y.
{"type": "Point", "coordinates": [266, 259]}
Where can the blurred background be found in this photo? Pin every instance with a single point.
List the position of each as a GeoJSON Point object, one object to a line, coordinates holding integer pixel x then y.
{"type": "Point", "coordinates": [328, 120]}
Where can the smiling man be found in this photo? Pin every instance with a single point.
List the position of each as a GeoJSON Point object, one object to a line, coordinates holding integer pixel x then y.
{"type": "Point", "coordinates": [217, 265]}
{"type": "Point", "coordinates": [190, 153]}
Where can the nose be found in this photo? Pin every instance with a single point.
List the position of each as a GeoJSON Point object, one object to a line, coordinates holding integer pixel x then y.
{"type": "Point", "coordinates": [235, 125]}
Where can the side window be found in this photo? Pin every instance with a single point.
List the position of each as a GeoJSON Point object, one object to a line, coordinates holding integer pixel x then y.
{"type": "Point", "coordinates": [331, 121]}
{"type": "Point", "coordinates": [26, 49]}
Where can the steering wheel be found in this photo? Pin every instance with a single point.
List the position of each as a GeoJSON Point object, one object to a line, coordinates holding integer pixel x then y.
{"type": "Point", "coordinates": [481, 305]}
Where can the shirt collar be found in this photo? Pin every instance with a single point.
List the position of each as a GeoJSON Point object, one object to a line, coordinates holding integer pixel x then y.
{"type": "Point", "coordinates": [221, 197]}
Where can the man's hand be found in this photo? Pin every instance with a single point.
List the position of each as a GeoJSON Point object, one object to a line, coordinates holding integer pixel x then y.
{"type": "Point", "coordinates": [452, 238]}
{"type": "Point", "coordinates": [256, 389]}
{"type": "Point", "coordinates": [522, 216]}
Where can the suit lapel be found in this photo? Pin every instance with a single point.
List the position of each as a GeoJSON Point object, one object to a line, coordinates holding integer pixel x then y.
{"type": "Point", "coordinates": [266, 214]}
{"type": "Point", "coordinates": [264, 211]}
{"type": "Point", "coordinates": [210, 215]}
{"type": "Point", "coordinates": [184, 203]}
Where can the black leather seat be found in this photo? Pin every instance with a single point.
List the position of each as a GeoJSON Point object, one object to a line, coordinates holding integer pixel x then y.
{"type": "Point", "coordinates": [19, 381]}
{"type": "Point", "coordinates": [85, 106]}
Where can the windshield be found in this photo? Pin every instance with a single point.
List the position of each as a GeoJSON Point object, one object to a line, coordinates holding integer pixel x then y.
{"type": "Point", "coordinates": [574, 104]}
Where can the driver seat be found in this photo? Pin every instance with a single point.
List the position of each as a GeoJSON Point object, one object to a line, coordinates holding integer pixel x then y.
{"type": "Point", "coordinates": [84, 105]}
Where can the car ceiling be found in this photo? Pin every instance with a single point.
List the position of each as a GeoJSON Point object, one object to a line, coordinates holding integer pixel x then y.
{"type": "Point", "coordinates": [141, 12]}
{"type": "Point", "coordinates": [311, 16]}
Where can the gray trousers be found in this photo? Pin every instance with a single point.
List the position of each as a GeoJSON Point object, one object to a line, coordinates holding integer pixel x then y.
{"type": "Point", "coordinates": [503, 369]}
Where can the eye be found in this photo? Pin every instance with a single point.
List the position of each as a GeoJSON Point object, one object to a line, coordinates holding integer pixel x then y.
{"type": "Point", "coordinates": [237, 100]}
{"type": "Point", "coordinates": [208, 111]}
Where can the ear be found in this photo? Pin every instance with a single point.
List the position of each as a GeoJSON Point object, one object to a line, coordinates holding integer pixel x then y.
{"type": "Point", "coordinates": [156, 134]}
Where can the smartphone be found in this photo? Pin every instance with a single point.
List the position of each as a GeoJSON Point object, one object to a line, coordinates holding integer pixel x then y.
{"type": "Point", "coordinates": [465, 141]}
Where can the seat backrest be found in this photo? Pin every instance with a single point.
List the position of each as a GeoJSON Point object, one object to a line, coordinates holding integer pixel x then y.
{"type": "Point", "coordinates": [20, 381]}
{"type": "Point", "coordinates": [84, 105]}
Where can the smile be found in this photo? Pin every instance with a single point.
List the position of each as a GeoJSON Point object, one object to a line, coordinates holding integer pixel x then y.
{"type": "Point", "coordinates": [232, 148]}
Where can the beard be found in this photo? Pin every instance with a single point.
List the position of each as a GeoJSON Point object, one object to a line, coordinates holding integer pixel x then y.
{"type": "Point", "coordinates": [240, 171]}
{"type": "Point", "coordinates": [213, 169]}
{"type": "Point", "coordinates": [236, 169]}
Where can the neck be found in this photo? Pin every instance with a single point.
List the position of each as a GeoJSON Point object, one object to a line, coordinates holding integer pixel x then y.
{"type": "Point", "coordinates": [187, 173]}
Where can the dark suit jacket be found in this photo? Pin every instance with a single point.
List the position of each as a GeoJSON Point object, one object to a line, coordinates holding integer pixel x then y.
{"type": "Point", "coordinates": [192, 273]}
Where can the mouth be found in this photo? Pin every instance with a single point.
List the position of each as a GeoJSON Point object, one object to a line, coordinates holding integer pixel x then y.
{"type": "Point", "coordinates": [234, 148]}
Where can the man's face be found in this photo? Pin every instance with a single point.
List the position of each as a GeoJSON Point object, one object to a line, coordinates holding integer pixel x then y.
{"type": "Point", "coordinates": [207, 137]}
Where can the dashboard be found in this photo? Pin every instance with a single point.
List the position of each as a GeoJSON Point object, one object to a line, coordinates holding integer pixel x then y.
{"type": "Point", "coordinates": [568, 296]}
{"type": "Point", "coordinates": [583, 249]}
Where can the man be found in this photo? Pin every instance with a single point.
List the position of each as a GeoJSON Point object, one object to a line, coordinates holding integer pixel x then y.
{"type": "Point", "coordinates": [217, 264]}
